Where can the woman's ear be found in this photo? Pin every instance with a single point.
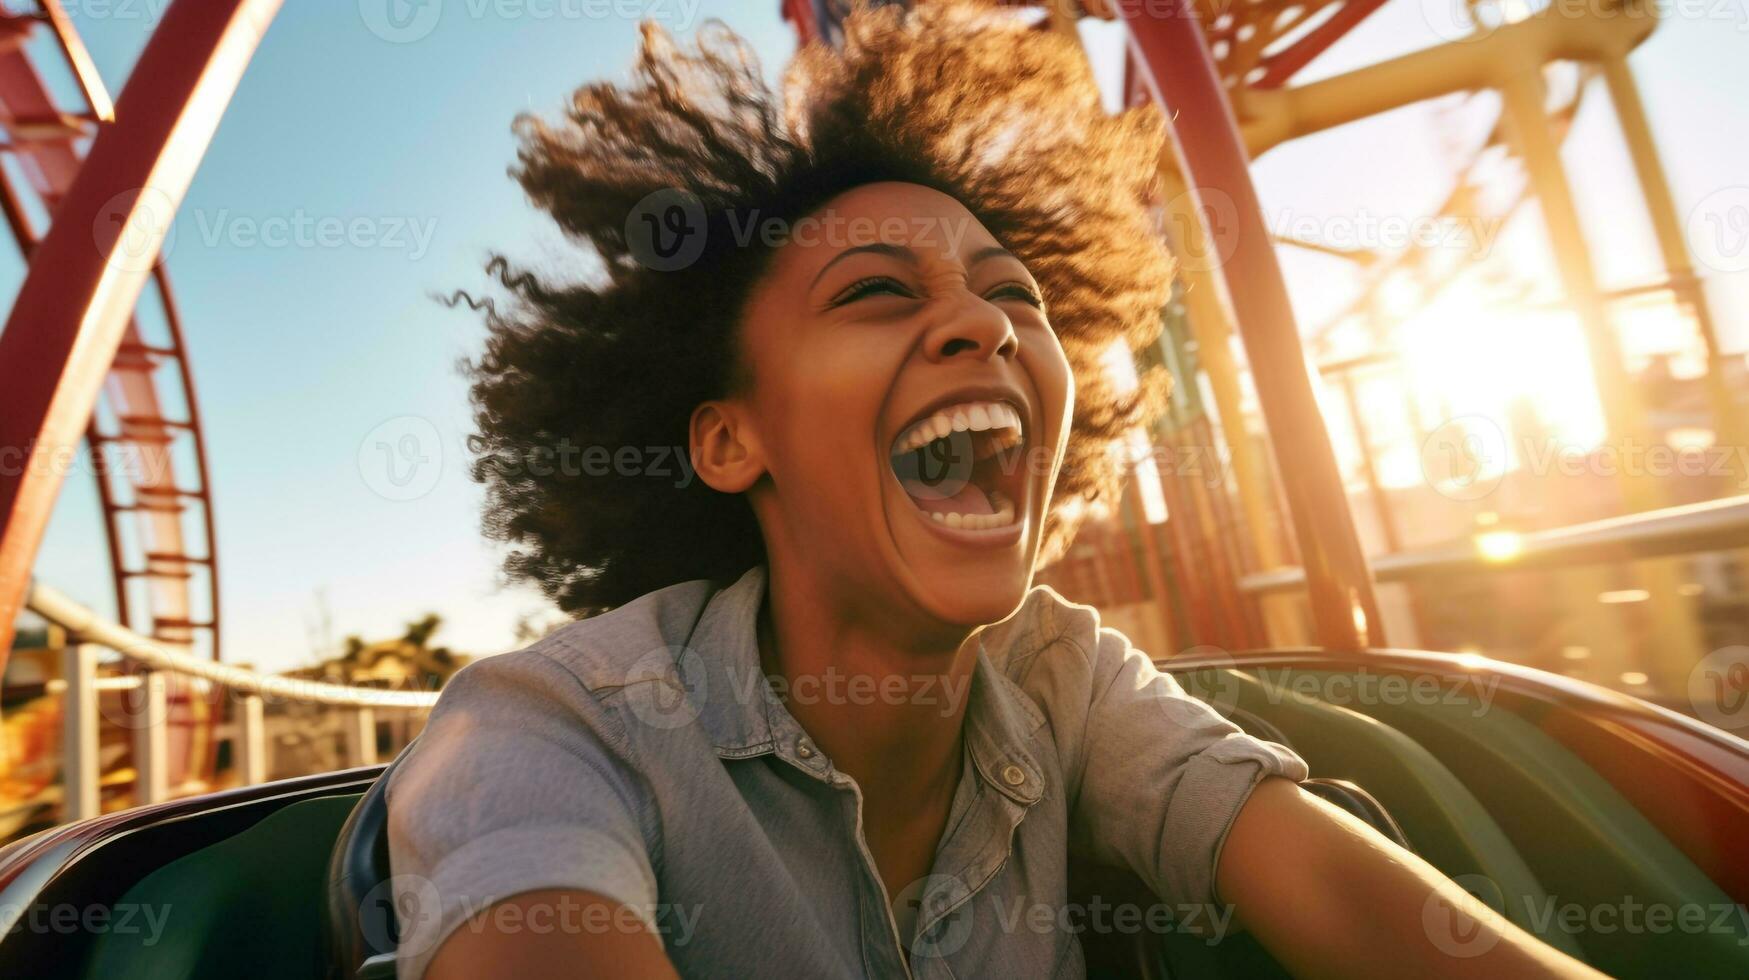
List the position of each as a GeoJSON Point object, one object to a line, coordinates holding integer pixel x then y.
{"type": "Point", "coordinates": [725, 449]}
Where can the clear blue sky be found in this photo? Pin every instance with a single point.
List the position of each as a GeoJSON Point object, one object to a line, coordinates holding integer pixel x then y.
{"type": "Point", "coordinates": [301, 350]}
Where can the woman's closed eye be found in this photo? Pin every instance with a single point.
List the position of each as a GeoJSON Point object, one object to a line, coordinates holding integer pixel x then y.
{"type": "Point", "coordinates": [871, 286]}
{"type": "Point", "coordinates": [1016, 290]}
{"type": "Point", "coordinates": [878, 285]}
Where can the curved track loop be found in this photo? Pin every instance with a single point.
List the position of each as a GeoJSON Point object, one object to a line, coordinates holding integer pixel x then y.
{"type": "Point", "coordinates": [145, 443]}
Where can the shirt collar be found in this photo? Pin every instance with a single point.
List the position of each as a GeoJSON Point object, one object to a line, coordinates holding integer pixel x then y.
{"type": "Point", "coordinates": [1002, 726]}
{"type": "Point", "coordinates": [742, 716]}
{"type": "Point", "coordinates": [734, 697]}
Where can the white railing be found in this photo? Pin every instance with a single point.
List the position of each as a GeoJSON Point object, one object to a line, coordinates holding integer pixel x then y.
{"type": "Point", "coordinates": [148, 714]}
{"type": "Point", "coordinates": [1712, 525]}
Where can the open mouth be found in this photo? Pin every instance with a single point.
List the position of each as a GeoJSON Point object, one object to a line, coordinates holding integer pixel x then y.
{"type": "Point", "coordinates": [957, 464]}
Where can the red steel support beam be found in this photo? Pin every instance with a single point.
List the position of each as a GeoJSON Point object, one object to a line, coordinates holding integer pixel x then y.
{"type": "Point", "coordinates": [87, 273]}
{"type": "Point", "coordinates": [1180, 73]}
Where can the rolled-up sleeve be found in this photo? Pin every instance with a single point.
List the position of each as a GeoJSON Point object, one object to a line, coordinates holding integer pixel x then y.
{"type": "Point", "coordinates": [1161, 775]}
{"type": "Point", "coordinates": [519, 782]}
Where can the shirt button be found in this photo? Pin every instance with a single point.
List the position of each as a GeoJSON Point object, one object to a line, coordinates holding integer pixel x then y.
{"type": "Point", "coordinates": [804, 747]}
{"type": "Point", "coordinates": [1012, 775]}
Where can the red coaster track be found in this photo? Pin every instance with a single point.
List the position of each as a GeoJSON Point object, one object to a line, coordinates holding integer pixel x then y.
{"type": "Point", "coordinates": [132, 443]}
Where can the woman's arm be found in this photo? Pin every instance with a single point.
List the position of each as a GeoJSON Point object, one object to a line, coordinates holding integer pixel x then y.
{"type": "Point", "coordinates": [518, 800]}
{"type": "Point", "coordinates": [552, 933]}
{"type": "Point", "coordinates": [1328, 896]}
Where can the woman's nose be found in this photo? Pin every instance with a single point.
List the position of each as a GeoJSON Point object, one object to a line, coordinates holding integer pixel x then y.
{"type": "Point", "coordinates": [975, 328]}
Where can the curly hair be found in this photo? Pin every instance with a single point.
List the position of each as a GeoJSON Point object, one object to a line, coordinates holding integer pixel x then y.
{"type": "Point", "coordinates": [961, 97]}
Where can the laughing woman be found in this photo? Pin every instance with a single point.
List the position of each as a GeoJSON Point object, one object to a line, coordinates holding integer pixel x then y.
{"type": "Point", "coordinates": [817, 721]}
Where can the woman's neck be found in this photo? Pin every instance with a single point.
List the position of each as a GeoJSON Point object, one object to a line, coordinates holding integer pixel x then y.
{"type": "Point", "coordinates": [885, 708]}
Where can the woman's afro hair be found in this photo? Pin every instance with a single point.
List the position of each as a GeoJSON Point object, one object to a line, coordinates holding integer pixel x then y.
{"type": "Point", "coordinates": [583, 393]}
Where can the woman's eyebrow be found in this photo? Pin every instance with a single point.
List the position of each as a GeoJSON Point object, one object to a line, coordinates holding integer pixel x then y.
{"type": "Point", "coordinates": [992, 252]}
{"type": "Point", "coordinates": [899, 252]}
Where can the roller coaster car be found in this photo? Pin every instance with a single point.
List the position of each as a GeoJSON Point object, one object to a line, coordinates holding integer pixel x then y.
{"type": "Point", "coordinates": [1609, 827]}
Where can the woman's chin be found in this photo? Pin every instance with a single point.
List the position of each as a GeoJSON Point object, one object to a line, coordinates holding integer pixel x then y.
{"type": "Point", "coordinates": [962, 579]}
{"type": "Point", "coordinates": [972, 600]}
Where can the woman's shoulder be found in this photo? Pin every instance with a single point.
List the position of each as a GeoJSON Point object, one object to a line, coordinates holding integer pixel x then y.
{"type": "Point", "coordinates": [512, 719]}
{"type": "Point", "coordinates": [1046, 621]}
{"type": "Point", "coordinates": [564, 689]}
{"type": "Point", "coordinates": [598, 655]}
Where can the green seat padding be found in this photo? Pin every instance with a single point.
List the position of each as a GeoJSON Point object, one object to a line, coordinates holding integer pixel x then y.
{"type": "Point", "coordinates": [1442, 819]}
{"type": "Point", "coordinates": [252, 905]}
{"type": "Point", "coordinates": [1603, 862]}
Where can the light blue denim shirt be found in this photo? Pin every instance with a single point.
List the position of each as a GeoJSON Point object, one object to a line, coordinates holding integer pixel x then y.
{"type": "Point", "coordinates": [643, 755]}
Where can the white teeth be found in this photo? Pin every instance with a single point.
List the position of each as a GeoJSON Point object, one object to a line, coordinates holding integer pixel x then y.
{"type": "Point", "coordinates": [967, 417]}
{"type": "Point", "coordinates": [1003, 516]}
